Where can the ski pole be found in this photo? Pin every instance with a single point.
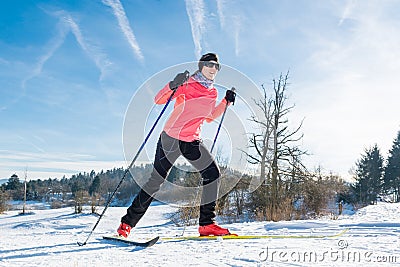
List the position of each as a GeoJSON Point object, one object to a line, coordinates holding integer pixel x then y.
{"type": "Point", "coordinates": [132, 162]}
{"type": "Point", "coordinates": [220, 124]}
{"type": "Point", "coordinates": [211, 150]}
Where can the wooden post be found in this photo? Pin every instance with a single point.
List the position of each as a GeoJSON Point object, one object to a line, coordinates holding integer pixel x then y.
{"type": "Point", "coordinates": [24, 206]}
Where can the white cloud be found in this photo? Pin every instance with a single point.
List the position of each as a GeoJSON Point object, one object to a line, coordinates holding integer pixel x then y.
{"type": "Point", "coordinates": [3, 61]}
{"type": "Point", "coordinates": [195, 12]}
{"type": "Point", "coordinates": [30, 143]}
{"type": "Point", "coordinates": [221, 13]}
{"type": "Point", "coordinates": [347, 10]}
{"type": "Point", "coordinates": [230, 18]}
{"type": "Point", "coordinates": [99, 58]}
{"type": "Point", "coordinates": [6, 155]}
{"type": "Point", "coordinates": [236, 31]}
{"type": "Point", "coordinates": [123, 22]}
{"type": "Point", "coordinates": [230, 21]}
{"type": "Point", "coordinates": [51, 47]}
{"type": "Point", "coordinates": [54, 165]}
{"type": "Point", "coordinates": [353, 104]}
{"type": "Point", "coordinates": [65, 25]}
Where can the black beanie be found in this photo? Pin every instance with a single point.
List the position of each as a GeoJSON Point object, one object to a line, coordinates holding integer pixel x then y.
{"type": "Point", "coordinates": [207, 57]}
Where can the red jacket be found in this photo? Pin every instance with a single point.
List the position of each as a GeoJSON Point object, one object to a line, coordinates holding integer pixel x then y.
{"type": "Point", "coordinates": [194, 104]}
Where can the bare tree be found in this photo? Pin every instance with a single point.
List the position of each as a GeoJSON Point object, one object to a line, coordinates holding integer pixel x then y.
{"type": "Point", "coordinates": [4, 198]}
{"type": "Point", "coordinates": [276, 151]}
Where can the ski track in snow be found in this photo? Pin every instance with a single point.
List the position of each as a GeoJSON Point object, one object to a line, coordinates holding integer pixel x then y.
{"type": "Point", "coordinates": [49, 238]}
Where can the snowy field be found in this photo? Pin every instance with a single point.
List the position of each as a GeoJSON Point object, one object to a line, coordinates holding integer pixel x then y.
{"type": "Point", "coordinates": [49, 238]}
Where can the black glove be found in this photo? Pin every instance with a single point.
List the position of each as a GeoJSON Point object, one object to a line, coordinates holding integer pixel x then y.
{"type": "Point", "coordinates": [179, 79]}
{"type": "Point", "coordinates": [230, 96]}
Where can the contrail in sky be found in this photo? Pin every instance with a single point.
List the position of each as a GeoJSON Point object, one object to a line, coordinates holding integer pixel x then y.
{"type": "Point", "coordinates": [195, 12]}
{"type": "Point", "coordinates": [123, 22]}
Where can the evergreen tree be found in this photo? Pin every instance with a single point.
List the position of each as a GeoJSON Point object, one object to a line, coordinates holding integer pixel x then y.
{"type": "Point", "coordinates": [369, 174]}
{"type": "Point", "coordinates": [13, 183]}
{"type": "Point", "coordinates": [95, 186]}
{"type": "Point", "coordinates": [392, 170]}
{"type": "Point", "coordinates": [15, 187]}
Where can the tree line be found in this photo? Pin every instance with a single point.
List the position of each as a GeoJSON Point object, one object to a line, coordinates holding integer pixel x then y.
{"type": "Point", "coordinates": [376, 177]}
{"type": "Point", "coordinates": [78, 190]}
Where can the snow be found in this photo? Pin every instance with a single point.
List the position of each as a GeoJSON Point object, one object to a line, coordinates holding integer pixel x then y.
{"type": "Point", "coordinates": [49, 238]}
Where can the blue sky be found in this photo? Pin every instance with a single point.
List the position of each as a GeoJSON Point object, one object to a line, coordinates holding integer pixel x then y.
{"type": "Point", "coordinates": [68, 70]}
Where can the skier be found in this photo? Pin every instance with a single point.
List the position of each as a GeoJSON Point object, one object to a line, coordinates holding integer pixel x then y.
{"type": "Point", "coordinates": [195, 102]}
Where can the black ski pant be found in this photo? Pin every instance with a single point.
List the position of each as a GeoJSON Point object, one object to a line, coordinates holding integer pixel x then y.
{"type": "Point", "coordinates": [167, 152]}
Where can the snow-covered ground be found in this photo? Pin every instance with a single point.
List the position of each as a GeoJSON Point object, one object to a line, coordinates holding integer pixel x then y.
{"type": "Point", "coordinates": [49, 238]}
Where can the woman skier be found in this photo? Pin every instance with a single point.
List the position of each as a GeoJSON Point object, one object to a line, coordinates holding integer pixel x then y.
{"type": "Point", "coordinates": [195, 102]}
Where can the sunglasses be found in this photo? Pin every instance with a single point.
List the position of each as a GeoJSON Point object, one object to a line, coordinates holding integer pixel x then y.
{"type": "Point", "coordinates": [210, 64]}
